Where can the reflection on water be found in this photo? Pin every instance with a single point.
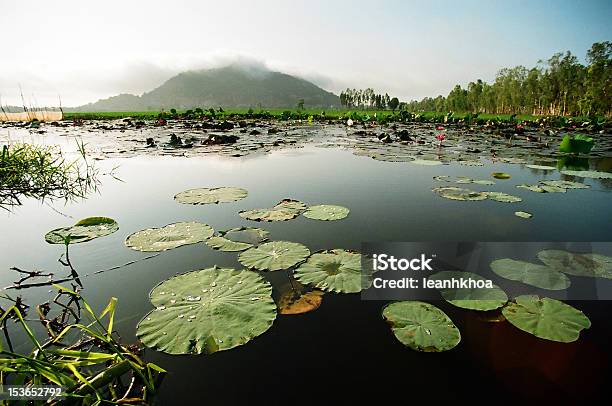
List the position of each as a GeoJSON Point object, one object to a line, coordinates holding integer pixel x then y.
{"type": "Point", "coordinates": [344, 347]}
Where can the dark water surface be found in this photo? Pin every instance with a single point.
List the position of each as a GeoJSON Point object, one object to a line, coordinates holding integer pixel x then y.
{"type": "Point", "coordinates": [343, 351]}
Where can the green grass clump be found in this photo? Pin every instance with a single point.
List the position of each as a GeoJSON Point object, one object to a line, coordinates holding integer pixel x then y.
{"type": "Point", "coordinates": [41, 172]}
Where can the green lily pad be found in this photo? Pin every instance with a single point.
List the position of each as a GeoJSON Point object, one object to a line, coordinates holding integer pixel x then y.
{"type": "Point", "coordinates": [425, 162]}
{"type": "Point", "coordinates": [237, 239]}
{"type": "Point", "coordinates": [168, 237]}
{"type": "Point", "coordinates": [571, 263]}
{"type": "Point", "coordinates": [455, 193]}
{"type": "Point", "coordinates": [536, 275]}
{"type": "Point", "coordinates": [210, 195]}
{"type": "Point", "coordinates": [502, 197]}
{"type": "Point", "coordinates": [422, 326]}
{"type": "Point", "coordinates": [471, 298]}
{"type": "Point", "coordinates": [523, 214]}
{"type": "Point", "coordinates": [546, 318]}
{"type": "Point", "coordinates": [552, 189]}
{"type": "Point", "coordinates": [463, 180]}
{"type": "Point", "coordinates": [326, 212]}
{"type": "Point", "coordinates": [274, 255]}
{"type": "Point", "coordinates": [332, 270]}
{"type": "Point", "coordinates": [205, 311]}
{"type": "Point", "coordinates": [286, 209]}
{"type": "Point", "coordinates": [500, 175]}
{"type": "Point", "coordinates": [588, 174]}
{"type": "Point", "coordinates": [85, 230]}
{"type": "Point", "coordinates": [541, 167]}
{"type": "Point", "coordinates": [565, 184]}
{"type": "Point", "coordinates": [533, 188]}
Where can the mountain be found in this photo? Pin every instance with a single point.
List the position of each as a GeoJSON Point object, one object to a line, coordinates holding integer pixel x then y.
{"type": "Point", "coordinates": [231, 86]}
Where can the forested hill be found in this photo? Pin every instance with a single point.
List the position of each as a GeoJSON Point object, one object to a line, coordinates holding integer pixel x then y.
{"type": "Point", "coordinates": [231, 86]}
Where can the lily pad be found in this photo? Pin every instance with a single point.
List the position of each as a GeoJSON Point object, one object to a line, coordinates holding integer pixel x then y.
{"type": "Point", "coordinates": [286, 209]}
{"type": "Point", "coordinates": [565, 184]}
{"type": "Point", "coordinates": [422, 326]}
{"type": "Point", "coordinates": [274, 255]}
{"type": "Point", "coordinates": [210, 195]}
{"type": "Point", "coordinates": [541, 167]}
{"type": "Point", "coordinates": [170, 236]}
{"type": "Point", "coordinates": [332, 270]}
{"type": "Point", "coordinates": [500, 175]}
{"type": "Point", "coordinates": [205, 311]}
{"type": "Point", "coordinates": [588, 174]}
{"type": "Point", "coordinates": [295, 302]}
{"type": "Point", "coordinates": [533, 188]}
{"type": "Point", "coordinates": [85, 230]}
{"type": "Point", "coordinates": [326, 212]}
{"type": "Point", "coordinates": [523, 214]}
{"type": "Point", "coordinates": [455, 193]}
{"type": "Point", "coordinates": [425, 162]}
{"type": "Point", "coordinates": [471, 298]}
{"type": "Point", "coordinates": [546, 318]}
{"type": "Point", "coordinates": [237, 239]}
{"type": "Point", "coordinates": [502, 197]}
{"type": "Point", "coordinates": [571, 263]}
{"type": "Point", "coordinates": [536, 275]}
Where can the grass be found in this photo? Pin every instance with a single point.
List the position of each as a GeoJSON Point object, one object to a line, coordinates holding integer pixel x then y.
{"type": "Point", "coordinates": [41, 172]}
{"type": "Point", "coordinates": [82, 356]}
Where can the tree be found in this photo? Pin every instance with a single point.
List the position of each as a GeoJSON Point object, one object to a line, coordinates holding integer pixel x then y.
{"type": "Point", "coordinates": [300, 104]}
{"type": "Point", "coordinates": [393, 103]}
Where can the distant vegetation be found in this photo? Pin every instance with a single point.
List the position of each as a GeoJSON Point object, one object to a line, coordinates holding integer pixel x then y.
{"type": "Point", "coordinates": [560, 86]}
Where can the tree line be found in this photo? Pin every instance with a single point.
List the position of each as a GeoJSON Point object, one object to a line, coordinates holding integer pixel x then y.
{"type": "Point", "coordinates": [560, 85]}
{"type": "Point", "coordinates": [367, 99]}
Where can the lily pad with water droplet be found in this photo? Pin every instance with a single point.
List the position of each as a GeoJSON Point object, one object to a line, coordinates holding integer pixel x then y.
{"type": "Point", "coordinates": [500, 175]}
{"type": "Point", "coordinates": [210, 195]}
{"type": "Point", "coordinates": [470, 298]}
{"type": "Point", "coordinates": [571, 263]}
{"type": "Point", "coordinates": [523, 214]}
{"type": "Point", "coordinates": [205, 311]}
{"type": "Point", "coordinates": [588, 174]}
{"type": "Point", "coordinates": [274, 255]}
{"type": "Point", "coordinates": [455, 193]}
{"type": "Point", "coordinates": [170, 236]}
{"type": "Point", "coordinates": [546, 318]}
{"type": "Point", "coordinates": [237, 239]}
{"type": "Point", "coordinates": [335, 270]}
{"type": "Point", "coordinates": [502, 197]}
{"type": "Point", "coordinates": [540, 276]}
{"type": "Point", "coordinates": [422, 326]}
{"type": "Point", "coordinates": [85, 230]}
{"type": "Point", "coordinates": [326, 212]}
{"type": "Point", "coordinates": [286, 209]}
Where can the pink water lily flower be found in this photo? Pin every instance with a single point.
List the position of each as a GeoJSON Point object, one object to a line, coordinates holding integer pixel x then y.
{"type": "Point", "coordinates": [440, 137]}
{"type": "Point", "coordinates": [440, 128]}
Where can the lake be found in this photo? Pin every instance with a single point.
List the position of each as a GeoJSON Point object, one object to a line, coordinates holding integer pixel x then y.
{"type": "Point", "coordinates": [344, 350]}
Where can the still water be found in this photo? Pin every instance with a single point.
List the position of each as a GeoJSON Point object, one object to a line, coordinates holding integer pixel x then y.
{"type": "Point", "coordinates": [344, 350]}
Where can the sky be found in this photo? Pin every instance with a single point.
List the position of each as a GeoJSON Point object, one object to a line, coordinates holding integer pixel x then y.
{"type": "Point", "coordinates": [82, 51]}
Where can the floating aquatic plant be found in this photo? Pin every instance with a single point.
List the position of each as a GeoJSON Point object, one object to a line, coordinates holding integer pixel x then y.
{"type": "Point", "coordinates": [298, 302]}
{"type": "Point", "coordinates": [237, 239]}
{"type": "Point", "coordinates": [422, 326]}
{"type": "Point", "coordinates": [571, 263]}
{"type": "Point", "coordinates": [85, 230]}
{"type": "Point", "coordinates": [471, 298]}
{"type": "Point", "coordinates": [334, 271]}
{"type": "Point", "coordinates": [168, 237]}
{"type": "Point", "coordinates": [326, 212]}
{"type": "Point", "coordinates": [211, 195]}
{"type": "Point", "coordinates": [540, 276]}
{"type": "Point", "coordinates": [523, 214]}
{"type": "Point", "coordinates": [274, 255]}
{"type": "Point", "coordinates": [546, 318]}
{"type": "Point", "coordinates": [205, 311]}
{"type": "Point", "coordinates": [588, 174]}
{"type": "Point", "coordinates": [284, 210]}
{"type": "Point", "coordinates": [500, 175]}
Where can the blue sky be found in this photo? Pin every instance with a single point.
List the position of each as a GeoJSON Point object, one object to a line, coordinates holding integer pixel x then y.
{"type": "Point", "coordinates": [408, 48]}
